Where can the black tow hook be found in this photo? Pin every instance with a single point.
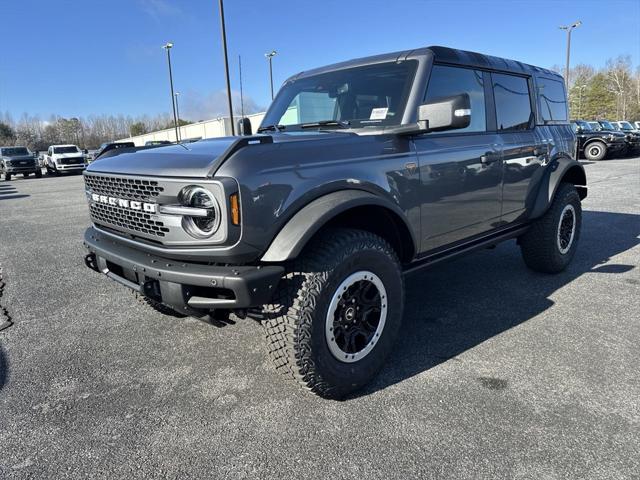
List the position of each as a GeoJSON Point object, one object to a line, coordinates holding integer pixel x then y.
{"type": "Point", "coordinates": [90, 261]}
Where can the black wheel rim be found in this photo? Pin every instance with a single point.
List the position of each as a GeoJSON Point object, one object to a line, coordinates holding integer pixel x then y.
{"type": "Point", "coordinates": [356, 316]}
{"type": "Point", "coordinates": [566, 228]}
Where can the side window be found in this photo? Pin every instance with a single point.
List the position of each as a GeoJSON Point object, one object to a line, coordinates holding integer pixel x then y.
{"type": "Point", "coordinates": [553, 101]}
{"type": "Point", "coordinates": [448, 81]}
{"type": "Point", "coordinates": [513, 103]}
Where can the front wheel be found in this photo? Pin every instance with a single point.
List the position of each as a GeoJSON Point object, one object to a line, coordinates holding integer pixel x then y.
{"type": "Point", "coordinates": [595, 151]}
{"type": "Point", "coordinates": [7, 176]}
{"type": "Point", "coordinates": [39, 173]}
{"type": "Point", "coordinates": [550, 243]}
{"type": "Point", "coordinates": [338, 312]}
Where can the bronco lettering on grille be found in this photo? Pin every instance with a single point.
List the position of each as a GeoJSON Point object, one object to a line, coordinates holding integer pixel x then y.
{"type": "Point", "coordinates": [123, 203]}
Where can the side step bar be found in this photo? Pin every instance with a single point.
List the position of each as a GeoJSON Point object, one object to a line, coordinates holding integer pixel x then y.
{"type": "Point", "coordinates": [464, 248]}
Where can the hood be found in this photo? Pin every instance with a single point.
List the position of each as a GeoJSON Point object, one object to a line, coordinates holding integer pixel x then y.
{"type": "Point", "coordinates": [194, 160]}
{"type": "Point", "coordinates": [67, 155]}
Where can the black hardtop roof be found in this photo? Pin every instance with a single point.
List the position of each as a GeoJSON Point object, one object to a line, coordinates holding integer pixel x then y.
{"type": "Point", "coordinates": [446, 55]}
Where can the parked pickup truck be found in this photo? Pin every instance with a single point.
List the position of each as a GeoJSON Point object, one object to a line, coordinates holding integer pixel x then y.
{"type": "Point", "coordinates": [64, 158]}
{"type": "Point", "coordinates": [360, 173]}
{"type": "Point", "coordinates": [15, 160]}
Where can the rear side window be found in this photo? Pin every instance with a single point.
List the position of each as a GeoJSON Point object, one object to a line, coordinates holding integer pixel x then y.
{"type": "Point", "coordinates": [513, 103]}
{"type": "Point", "coordinates": [553, 102]}
{"type": "Point", "coordinates": [449, 81]}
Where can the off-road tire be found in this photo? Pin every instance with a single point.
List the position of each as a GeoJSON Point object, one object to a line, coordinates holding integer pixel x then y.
{"type": "Point", "coordinates": [157, 306]}
{"type": "Point", "coordinates": [295, 323]}
{"type": "Point", "coordinates": [38, 173]}
{"type": "Point", "coordinates": [540, 245]}
{"type": "Point", "coordinates": [595, 151]}
{"type": "Point", "coordinates": [7, 177]}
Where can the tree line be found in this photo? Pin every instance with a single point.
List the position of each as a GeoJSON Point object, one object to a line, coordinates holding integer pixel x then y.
{"type": "Point", "coordinates": [89, 132]}
{"type": "Point", "coordinates": [611, 92]}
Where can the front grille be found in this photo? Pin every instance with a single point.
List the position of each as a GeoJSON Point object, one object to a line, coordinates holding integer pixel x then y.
{"type": "Point", "coordinates": [129, 188]}
{"type": "Point", "coordinates": [130, 220]}
{"type": "Point", "coordinates": [71, 161]}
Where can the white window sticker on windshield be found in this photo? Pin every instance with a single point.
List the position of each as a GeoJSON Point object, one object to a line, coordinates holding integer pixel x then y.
{"type": "Point", "coordinates": [378, 113]}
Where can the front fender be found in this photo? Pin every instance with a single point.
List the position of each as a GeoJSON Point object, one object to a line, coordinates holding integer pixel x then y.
{"type": "Point", "coordinates": [305, 223]}
{"type": "Point", "coordinates": [561, 169]}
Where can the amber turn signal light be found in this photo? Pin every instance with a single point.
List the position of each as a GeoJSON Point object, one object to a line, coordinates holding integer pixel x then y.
{"type": "Point", "coordinates": [235, 209]}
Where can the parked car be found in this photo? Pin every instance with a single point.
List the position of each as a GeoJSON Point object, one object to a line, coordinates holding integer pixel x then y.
{"type": "Point", "coordinates": [609, 127]}
{"type": "Point", "coordinates": [361, 172]}
{"type": "Point", "coordinates": [632, 136]}
{"type": "Point", "coordinates": [596, 144]}
{"type": "Point", "coordinates": [15, 160]}
{"type": "Point", "coordinates": [107, 147]}
{"type": "Point", "coordinates": [64, 158]}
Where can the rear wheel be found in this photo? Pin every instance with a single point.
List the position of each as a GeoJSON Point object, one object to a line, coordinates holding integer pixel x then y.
{"type": "Point", "coordinates": [550, 243]}
{"type": "Point", "coordinates": [338, 312]}
{"type": "Point", "coordinates": [595, 151]}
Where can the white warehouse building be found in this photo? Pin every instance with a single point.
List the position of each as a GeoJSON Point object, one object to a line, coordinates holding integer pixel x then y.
{"type": "Point", "coordinates": [217, 127]}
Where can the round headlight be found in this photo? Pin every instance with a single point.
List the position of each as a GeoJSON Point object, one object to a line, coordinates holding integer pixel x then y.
{"type": "Point", "coordinates": [200, 226]}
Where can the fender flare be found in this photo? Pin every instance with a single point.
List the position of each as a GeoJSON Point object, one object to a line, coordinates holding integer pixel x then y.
{"type": "Point", "coordinates": [299, 229]}
{"type": "Point", "coordinates": [559, 169]}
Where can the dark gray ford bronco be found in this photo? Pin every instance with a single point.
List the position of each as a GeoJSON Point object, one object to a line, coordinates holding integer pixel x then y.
{"type": "Point", "coordinates": [361, 172]}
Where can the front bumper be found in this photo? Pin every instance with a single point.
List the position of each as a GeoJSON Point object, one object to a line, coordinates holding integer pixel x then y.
{"type": "Point", "coordinates": [64, 168]}
{"type": "Point", "coordinates": [185, 287]}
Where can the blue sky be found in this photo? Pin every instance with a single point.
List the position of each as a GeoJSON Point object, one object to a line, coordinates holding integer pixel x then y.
{"type": "Point", "coordinates": [82, 57]}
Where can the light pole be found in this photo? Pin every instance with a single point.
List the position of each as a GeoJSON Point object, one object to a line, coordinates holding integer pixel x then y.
{"type": "Point", "coordinates": [168, 46]}
{"type": "Point", "coordinates": [223, 32]}
{"type": "Point", "coordinates": [270, 56]}
{"type": "Point", "coordinates": [178, 114]}
{"type": "Point", "coordinates": [569, 28]}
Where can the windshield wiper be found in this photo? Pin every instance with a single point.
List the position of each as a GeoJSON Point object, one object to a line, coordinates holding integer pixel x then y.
{"type": "Point", "coordinates": [327, 123]}
{"type": "Point", "coordinates": [272, 128]}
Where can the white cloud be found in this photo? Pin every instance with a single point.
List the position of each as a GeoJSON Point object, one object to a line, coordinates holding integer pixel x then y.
{"type": "Point", "coordinates": [160, 8]}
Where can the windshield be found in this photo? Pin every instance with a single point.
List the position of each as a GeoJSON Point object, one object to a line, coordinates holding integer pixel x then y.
{"type": "Point", "coordinates": [72, 149]}
{"type": "Point", "coordinates": [15, 151]}
{"type": "Point", "coordinates": [372, 95]}
{"type": "Point", "coordinates": [606, 125]}
{"type": "Point", "coordinates": [626, 126]}
{"type": "Point", "coordinates": [583, 125]}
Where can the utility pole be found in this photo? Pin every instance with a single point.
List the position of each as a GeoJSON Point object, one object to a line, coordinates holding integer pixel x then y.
{"type": "Point", "coordinates": [569, 28]}
{"type": "Point", "coordinates": [223, 32]}
{"type": "Point", "coordinates": [168, 46]}
{"type": "Point", "coordinates": [270, 56]}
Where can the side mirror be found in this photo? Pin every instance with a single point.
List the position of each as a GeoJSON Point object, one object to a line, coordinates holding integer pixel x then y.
{"type": "Point", "coordinates": [244, 126]}
{"type": "Point", "coordinates": [446, 113]}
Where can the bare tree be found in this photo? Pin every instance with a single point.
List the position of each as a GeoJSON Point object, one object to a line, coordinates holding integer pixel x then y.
{"type": "Point", "coordinates": [620, 81]}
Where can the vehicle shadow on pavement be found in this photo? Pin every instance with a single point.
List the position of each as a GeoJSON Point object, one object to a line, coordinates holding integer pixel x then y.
{"type": "Point", "coordinates": [8, 192]}
{"type": "Point", "coordinates": [456, 306]}
{"type": "Point", "coordinates": [4, 369]}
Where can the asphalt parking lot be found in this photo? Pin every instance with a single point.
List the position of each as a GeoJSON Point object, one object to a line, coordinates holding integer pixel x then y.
{"type": "Point", "coordinates": [500, 372]}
